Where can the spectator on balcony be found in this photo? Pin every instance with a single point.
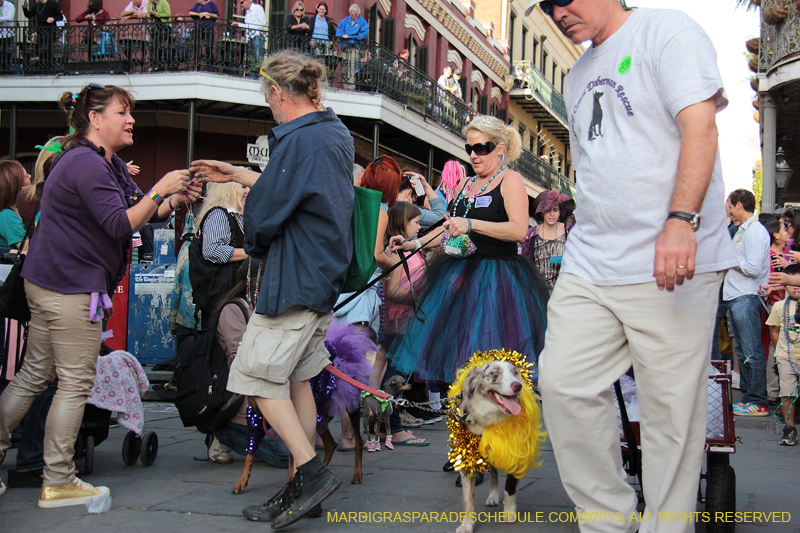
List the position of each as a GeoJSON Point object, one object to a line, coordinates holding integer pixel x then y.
{"type": "Point", "coordinates": [44, 15]}
{"type": "Point", "coordinates": [352, 34]}
{"type": "Point", "coordinates": [255, 22]}
{"type": "Point", "coordinates": [100, 43]}
{"type": "Point", "coordinates": [160, 11]}
{"type": "Point", "coordinates": [7, 20]}
{"type": "Point", "coordinates": [457, 82]}
{"type": "Point", "coordinates": [205, 15]}
{"type": "Point", "coordinates": [160, 32]}
{"type": "Point", "coordinates": [445, 81]}
{"type": "Point", "coordinates": [298, 27]}
{"type": "Point", "coordinates": [323, 31]}
{"type": "Point", "coordinates": [136, 9]}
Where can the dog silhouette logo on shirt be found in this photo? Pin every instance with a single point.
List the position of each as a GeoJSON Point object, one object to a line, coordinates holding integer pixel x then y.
{"type": "Point", "coordinates": [595, 129]}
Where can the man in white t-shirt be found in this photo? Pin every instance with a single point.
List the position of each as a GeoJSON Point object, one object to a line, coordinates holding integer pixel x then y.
{"type": "Point", "coordinates": [255, 21]}
{"type": "Point", "coordinates": [641, 274]}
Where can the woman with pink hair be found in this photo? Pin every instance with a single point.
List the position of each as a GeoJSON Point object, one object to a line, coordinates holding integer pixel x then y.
{"type": "Point", "coordinates": [452, 175]}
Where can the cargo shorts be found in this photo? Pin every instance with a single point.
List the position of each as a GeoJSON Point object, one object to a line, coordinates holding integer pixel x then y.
{"type": "Point", "coordinates": [279, 350]}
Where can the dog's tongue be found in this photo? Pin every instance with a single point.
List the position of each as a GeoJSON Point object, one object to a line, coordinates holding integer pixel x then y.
{"type": "Point", "coordinates": [510, 405]}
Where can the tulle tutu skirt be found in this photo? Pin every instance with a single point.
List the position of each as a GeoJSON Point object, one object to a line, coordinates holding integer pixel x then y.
{"type": "Point", "coordinates": [477, 303]}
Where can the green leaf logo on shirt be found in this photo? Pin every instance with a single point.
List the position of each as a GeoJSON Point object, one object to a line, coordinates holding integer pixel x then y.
{"type": "Point", "coordinates": [624, 65]}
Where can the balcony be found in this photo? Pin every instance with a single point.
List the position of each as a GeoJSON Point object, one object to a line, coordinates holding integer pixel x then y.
{"type": "Point", "coordinates": [215, 66]}
{"type": "Point", "coordinates": [780, 43]}
{"type": "Point", "coordinates": [540, 99]}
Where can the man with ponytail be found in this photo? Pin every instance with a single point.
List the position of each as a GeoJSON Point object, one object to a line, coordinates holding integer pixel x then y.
{"type": "Point", "coordinates": [297, 216]}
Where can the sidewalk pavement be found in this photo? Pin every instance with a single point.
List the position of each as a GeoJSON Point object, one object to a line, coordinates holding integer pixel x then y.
{"type": "Point", "coordinates": [179, 493]}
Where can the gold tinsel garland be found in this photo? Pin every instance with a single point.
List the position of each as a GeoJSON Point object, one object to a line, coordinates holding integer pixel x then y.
{"type": "Point", "coordinates": [464, 451]}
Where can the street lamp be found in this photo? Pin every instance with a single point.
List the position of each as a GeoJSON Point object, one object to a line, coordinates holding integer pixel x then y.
{"type": "Point", "coordinates": [783, 172]}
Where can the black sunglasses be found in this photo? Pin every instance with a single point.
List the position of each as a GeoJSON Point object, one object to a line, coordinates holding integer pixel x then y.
{"type": "Point", "coordinates": [547, 5]}
{"type": "Point", "coordinates": [480, 148]}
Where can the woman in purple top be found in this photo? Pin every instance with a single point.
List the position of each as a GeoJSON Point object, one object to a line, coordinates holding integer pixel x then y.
{"type": "Point", "coordinates": [205, 14]}
{"type": "Point", "coordinates": [89, 209]}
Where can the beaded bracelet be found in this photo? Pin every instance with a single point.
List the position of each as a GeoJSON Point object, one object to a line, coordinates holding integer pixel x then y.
{"type": "Point", "coordinates": [469, 225]}
{"type": "Point", "coordinates": [153, 195]}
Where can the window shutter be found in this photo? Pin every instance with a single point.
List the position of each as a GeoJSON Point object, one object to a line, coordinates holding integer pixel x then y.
{"type": "Point", "coordinates": [422, 59]}
{"type": "Point", "coordinates": [483, 104]}
{"type": "Point", "coordinates": [502, 114]}
{"type": "Point", "coordinates": [387, 34]}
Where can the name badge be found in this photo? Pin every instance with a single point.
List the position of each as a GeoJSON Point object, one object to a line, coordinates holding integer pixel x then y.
{"type": "Point", "coordinates": [483, 201]}
{"type": "Point", "coordinates": [556, 259]}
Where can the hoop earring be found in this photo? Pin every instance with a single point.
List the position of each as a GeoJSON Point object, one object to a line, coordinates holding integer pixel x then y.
{"type": "Point", "coordinates": [501, 157]}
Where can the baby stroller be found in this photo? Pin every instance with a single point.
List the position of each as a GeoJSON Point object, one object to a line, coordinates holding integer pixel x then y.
{"type": "Point", "coordinates": [118, 386]}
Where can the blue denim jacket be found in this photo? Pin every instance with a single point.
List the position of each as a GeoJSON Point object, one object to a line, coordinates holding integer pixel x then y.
{"type": "Point", "coordinates": [298, 214]}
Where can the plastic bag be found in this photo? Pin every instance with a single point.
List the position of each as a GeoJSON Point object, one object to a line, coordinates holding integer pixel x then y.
{"type": "Point", "coordinates": [99, 504]}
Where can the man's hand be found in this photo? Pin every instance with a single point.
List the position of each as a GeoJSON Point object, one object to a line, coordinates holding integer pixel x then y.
{"type": "Point", "coordinates": [676, 248]}
{"type": "Point", "coordinates": [214, 171]}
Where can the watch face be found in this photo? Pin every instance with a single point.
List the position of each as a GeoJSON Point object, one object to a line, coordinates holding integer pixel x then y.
{"type": "Point", "coordinates": [695, 222]}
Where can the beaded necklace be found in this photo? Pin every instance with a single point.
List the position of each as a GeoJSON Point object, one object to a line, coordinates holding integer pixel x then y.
{"type": "Point", "coordinates": [465, 191]}
{"type": "Point", "coordinates": [43, 4]}
{"type": "Point", "coordinates": [788, 320]}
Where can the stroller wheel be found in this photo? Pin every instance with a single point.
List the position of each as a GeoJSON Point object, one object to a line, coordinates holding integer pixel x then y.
{"type": "Point", "coordinates": [130, 448]}
{"type": "Point", "coordinates": [88, 456]}
{"type": "Point", "coordinates": [149, 448]}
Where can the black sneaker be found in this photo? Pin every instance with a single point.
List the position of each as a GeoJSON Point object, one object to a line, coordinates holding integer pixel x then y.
{"type": "Point", "coordinates": [789, 436]}
{"type": "Point", "coordinates": [24, 480]}
{"type": "Point", "coordinates": [267, 512]}
{"type": "Point", "coordinates": [312, 483]}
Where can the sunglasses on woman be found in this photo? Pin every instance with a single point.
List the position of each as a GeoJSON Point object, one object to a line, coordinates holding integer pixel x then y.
{"type": "Point", "coordinates": [480, 148]}
{"type": "Point", "coordinates": [546, 5]}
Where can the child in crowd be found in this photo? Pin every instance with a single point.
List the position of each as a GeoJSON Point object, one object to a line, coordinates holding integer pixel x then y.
{"type": "Point", "coordinates": [786, 336]}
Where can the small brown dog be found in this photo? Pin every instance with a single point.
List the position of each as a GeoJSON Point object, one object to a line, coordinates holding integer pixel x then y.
{"type": "Point", "coordinates": [374, 411]}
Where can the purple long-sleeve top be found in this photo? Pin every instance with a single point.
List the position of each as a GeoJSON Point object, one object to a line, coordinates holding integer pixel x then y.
{"type": "Point", "coordinates": [83, 232]}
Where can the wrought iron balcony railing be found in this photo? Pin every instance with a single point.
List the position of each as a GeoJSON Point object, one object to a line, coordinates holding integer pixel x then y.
{"type": "Point", "coordinates": [528, 78]}
{"type": "Point", "coordinates": [779, 42]}
{"type": "Point", "coordinates": [185, 46]}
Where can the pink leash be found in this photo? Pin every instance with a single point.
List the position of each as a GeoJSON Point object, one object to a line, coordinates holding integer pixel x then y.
{"type": "Point", "coordinates": [357, 384]}
{"type": "Point", "coordinates": [339, 374]}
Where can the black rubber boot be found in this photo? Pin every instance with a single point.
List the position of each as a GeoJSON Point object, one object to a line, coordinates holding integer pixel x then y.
{"type": "Point", "coordinates": [312, 483]}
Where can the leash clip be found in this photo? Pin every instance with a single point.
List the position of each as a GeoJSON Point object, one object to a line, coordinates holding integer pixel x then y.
{"type": "Point", "coordinates": [402, 402]}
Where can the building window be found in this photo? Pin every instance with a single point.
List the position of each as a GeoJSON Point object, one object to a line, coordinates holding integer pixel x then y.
{"type": "Point", "coordinates": [522, 129]}
{"type": "Point", "coordinates": [374, 24]}
{"type": "Point", "coordinates": [475, 98]}
{"type": "Point", "coordinates": [511, 37]}
{"type": "Point", "coordinates": [543, 66]}
{"type": "Point", "coordinates": [535, 52]}
{"type": "Point", "coordinates": [483, 104]}
{"type": "Point", "coordinates": [563, 81]}
{"type": "Point", "coordinates": [422, 59]}
{"type": "Point", "coordinates": [532, 143]}
{"type": "Point", "coordinates": [387, 34]}
{"type": "Point", "coordinates": [411, 46]}
{"type": "Point", "coordinates": [555, 69]}
{"type": "Point", "coordinates": [524, 43]}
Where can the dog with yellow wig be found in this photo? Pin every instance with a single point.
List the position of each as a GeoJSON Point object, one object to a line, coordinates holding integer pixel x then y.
{"type": "Point", "coordinates": [497, 427]}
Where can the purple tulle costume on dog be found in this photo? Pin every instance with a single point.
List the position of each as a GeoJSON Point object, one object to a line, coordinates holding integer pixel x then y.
{"type": "Point", "coordinates": [348, 346]}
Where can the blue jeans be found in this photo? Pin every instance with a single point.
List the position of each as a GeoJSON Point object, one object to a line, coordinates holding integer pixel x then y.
{"type": "Point", "coordinates": [256, 51]}
{"type": "Point", "coordinates": [744, 313]}
{"type": "Point", "coordinates": [271, 450]}
{"type": "Point", "coordinates": [722, 312]}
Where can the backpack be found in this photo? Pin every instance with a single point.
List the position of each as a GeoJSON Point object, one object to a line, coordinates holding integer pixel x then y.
{"type": "Point", "coordinates": [201, 377]}
{"type": "Point", "coordinates": [364, 223]}
{"type": "Point", "coordinates": [211, 281]}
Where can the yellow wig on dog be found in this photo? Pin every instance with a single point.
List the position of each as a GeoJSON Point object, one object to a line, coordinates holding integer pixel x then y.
{"type": "Point", "coordinates": [512, 445]}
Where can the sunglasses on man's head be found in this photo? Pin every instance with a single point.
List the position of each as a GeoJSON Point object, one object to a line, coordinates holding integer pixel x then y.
{"type": "Point", "coordinates": [546, 5]}
{"type": "Point", "coordinates": [480, 148]}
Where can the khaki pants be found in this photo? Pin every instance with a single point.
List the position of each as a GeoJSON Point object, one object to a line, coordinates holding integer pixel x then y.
{"type": "Point", "coordinates": [594, 334]}
{"type": "Point", "coordinates": [62, 342]}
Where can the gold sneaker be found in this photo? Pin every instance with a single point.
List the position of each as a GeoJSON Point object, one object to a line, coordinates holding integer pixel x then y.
{"type": "Point", "coordinates": [75, 493]}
